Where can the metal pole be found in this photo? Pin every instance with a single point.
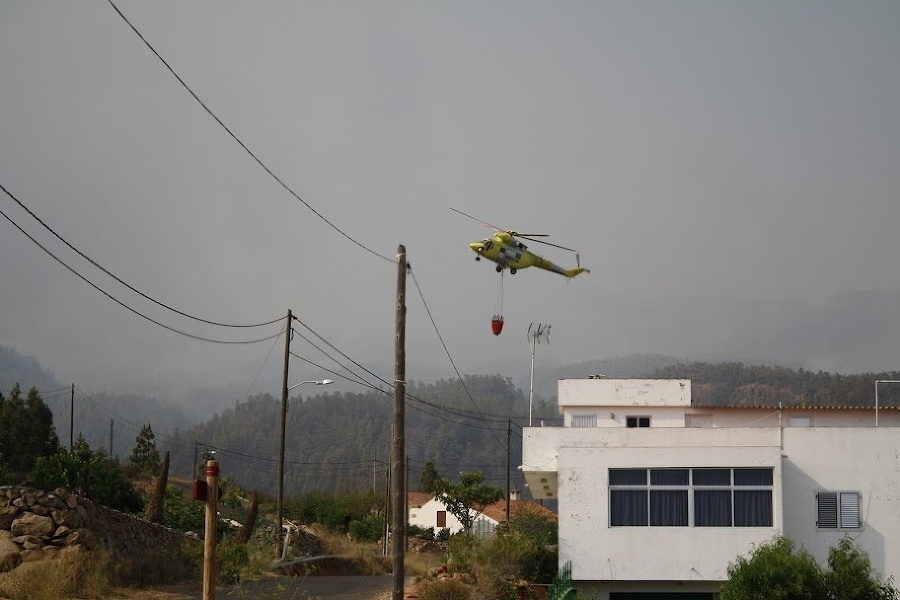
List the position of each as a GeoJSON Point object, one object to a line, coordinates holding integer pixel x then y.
{"type": "Point", "coordinates": [284, 400]}
{"type": "Point", "coordinates": [877, 381]}
{"type": "Point", "coordinates": [398, 482]}
{"type": "Point", "coordinates": [531, 382]}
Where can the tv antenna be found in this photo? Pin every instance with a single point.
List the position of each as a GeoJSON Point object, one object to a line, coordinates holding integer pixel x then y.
{"type": "Point", "coordinates": [537, 333]}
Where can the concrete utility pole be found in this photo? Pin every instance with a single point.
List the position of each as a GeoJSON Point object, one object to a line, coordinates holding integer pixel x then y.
{"type": "Point", "coordinates": [397, 451]}
{"type": "Point", "coordinates": [284, 401]}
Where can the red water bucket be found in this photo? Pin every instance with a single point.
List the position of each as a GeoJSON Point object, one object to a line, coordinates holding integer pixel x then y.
{"type": "Point", "coordinates": [497, 324]}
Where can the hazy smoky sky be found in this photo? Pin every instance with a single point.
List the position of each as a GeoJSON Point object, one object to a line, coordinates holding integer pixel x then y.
{"type": "Point", "coordinates": [728, 170]}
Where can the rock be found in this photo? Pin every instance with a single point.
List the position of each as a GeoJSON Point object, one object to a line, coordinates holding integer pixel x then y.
{"type": "Point", "coordinates": [7, 516]}
{"type": "Point", "coordinates": [28, 523]}
{"type": "Point", "coordinates": [53, 501]}
{"type": "Point", "coordinates": [10, 556]}
{"type": "Point", "coordinates": [29, 542]}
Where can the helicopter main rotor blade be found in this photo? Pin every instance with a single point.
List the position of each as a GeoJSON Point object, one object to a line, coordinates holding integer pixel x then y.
{"type": "Point", "coordinates": [477, 219]}
{"type": "Point", "coordinates": [545, 243]}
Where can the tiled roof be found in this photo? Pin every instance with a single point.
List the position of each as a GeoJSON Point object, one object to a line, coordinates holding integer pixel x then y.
{"type": "Point", "coordinates": [419, 499]}
{"type": "Point", "coordinates": [791, 407]}
{"type": "Point", "coordinates": [497, 510]}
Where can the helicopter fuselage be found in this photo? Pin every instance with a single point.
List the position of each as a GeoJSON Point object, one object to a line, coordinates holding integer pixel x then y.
{"type": "Point", "coordinates": [509, 253]}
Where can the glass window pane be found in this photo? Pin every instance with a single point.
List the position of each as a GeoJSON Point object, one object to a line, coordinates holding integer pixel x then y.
{"type": "Point", "coordinates": [627, 508]}
{"type": "Point", "coordinates": [753, 508]}
{"type": "Point", "coordinates": [669, 508]}
{"type": "Point", "coordinates": [628, 477]}
{"type": "Point", "coordinates": [712, 508]}
{"type": "Point", "coordinates": [643, 421]}
{"type": "Point", "coordinates": [711, 476]}
{"type": "Point", "coordinates": [668, 476]}
{"type": "Point", "coordinates": [753, 477]}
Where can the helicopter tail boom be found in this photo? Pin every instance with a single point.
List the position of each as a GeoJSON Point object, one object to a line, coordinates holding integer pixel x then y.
{"type": "Point", "coordinates": [575, 271]}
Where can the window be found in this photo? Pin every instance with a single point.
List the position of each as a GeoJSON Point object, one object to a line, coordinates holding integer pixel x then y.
{"type": "Point", "coordinates": [799, 421]}
{"type": "Point", "coordinates": [637, 421]}
{"type": "Point", "coordinates": [698, 420]}
{"type": "Point", "coordinates": [698, 497]}
{"type": "Point", "coordinates": [584, 420]}
{"type": "Point", "coordinates": [838, 510]}
{"type": "Point", "coordinates": [441, 518]}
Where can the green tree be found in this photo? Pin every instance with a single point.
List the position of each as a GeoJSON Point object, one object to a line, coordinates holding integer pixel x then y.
{"type": "Point", "coordinates": [775, 571]}
{"type": "Point", "coordinates": [27, 432]}
{"type": "Point", "coordinates": [428, 479]}
{"type": "Point", "coordinates": [144, 455]}
{"type": "Point", "coordinates": [91, 473]}
{"type": "Point", "coordinates": [466, 498]}
{"type": "Point", "coordinates": [850, 575]}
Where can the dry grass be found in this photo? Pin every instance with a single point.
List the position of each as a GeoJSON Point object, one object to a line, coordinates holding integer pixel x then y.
{"type": "Point", "coordinates": [75, 574]}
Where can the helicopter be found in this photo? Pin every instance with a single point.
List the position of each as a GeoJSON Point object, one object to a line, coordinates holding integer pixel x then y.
{"type": "Point", "coordinates": [505, 249]}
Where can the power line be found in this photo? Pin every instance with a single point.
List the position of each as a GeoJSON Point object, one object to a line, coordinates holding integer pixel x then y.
{"type": "Point", "coordinates": [238, 140]}
{"type": "Point", "coordinates": [136, 291]}
{"type": "Point", "coordinates": [447, 351]}
{"type": "Point", "coordinates": [122, 304]}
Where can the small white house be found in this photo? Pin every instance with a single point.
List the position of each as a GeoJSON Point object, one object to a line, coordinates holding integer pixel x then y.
{"type": "Point", "coordinates": [657, 495]}
{"type": "Point", "coordinates": [426, 512]}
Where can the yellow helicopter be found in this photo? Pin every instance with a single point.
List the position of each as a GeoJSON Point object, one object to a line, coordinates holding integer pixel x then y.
{"type": "Point", "coordinates": [508, 252]}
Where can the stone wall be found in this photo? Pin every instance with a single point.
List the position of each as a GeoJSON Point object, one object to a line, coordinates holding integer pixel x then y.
{"type": "Point", "coordinates": [37, 525]}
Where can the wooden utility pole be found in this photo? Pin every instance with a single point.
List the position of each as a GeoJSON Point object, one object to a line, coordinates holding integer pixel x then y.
{"type": "Point", "coordinates": [508, 451]}
{"type": "Point", "coordinates": [284, 401]}
{"type": "Point", "coordinates": [209, 537]}
{"type": "Point", "coordinates": [398, 480]}
{"type": "Point", "coordinates": [72, 419]}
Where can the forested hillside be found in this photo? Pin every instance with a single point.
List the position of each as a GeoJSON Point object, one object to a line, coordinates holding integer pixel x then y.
{"type": "Point", "coordinates": [342, 441]}
{"type": "Point", "coordinates": [737, 384]}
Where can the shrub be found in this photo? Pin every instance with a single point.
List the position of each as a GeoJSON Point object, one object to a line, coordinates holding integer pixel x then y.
{"type": "Point", "coordinates": [444, 590]}
{"type": "Point", "coordinates": [232, 562]}
{"type": "Point", "coordinates": [182, 514]}
{"type": "Point", "coordinates": [369, 529]}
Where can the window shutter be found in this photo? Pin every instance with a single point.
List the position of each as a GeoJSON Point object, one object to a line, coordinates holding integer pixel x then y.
{"type": "Point", "coordinates": [827, 510]}
{"type": "Point", "coordinates": [850, 510]}
{"type": "Point", "coordinates": [697, 420]}
{"type": "Point", "coordinates": [584, 420]}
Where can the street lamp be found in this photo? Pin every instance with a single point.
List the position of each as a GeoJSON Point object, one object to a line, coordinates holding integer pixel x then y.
{"type": "Point", "coordinates": [281, 445]}
{"type": "Point", "coordinates": [316, 382]}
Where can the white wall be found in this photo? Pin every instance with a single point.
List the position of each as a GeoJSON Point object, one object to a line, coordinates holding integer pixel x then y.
{"type": "Point", "coordinates": [600, 552]}
{"type": "Point", "coordinates": [854, 459]}
{"type": "Point", "coordinates": [624, 392]}
{"type": "Point", "coordinates": [426, 516]}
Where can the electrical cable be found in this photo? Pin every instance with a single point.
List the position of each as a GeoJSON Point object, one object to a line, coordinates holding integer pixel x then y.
{"type": "Point", "coordinates": [241, 143]}
{"type": "Point", "coordinates": [122, 304]}
{"type": "Point", "coordinates": [136, 291]}
{"type": "Point", "coordinates": [447, 351]}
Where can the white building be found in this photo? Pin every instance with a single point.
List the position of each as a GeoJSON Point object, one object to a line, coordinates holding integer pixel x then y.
{"type": "Point", "coordinates": [427, 512]}
{"type": "Point", "coordinates": [657, 495]}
